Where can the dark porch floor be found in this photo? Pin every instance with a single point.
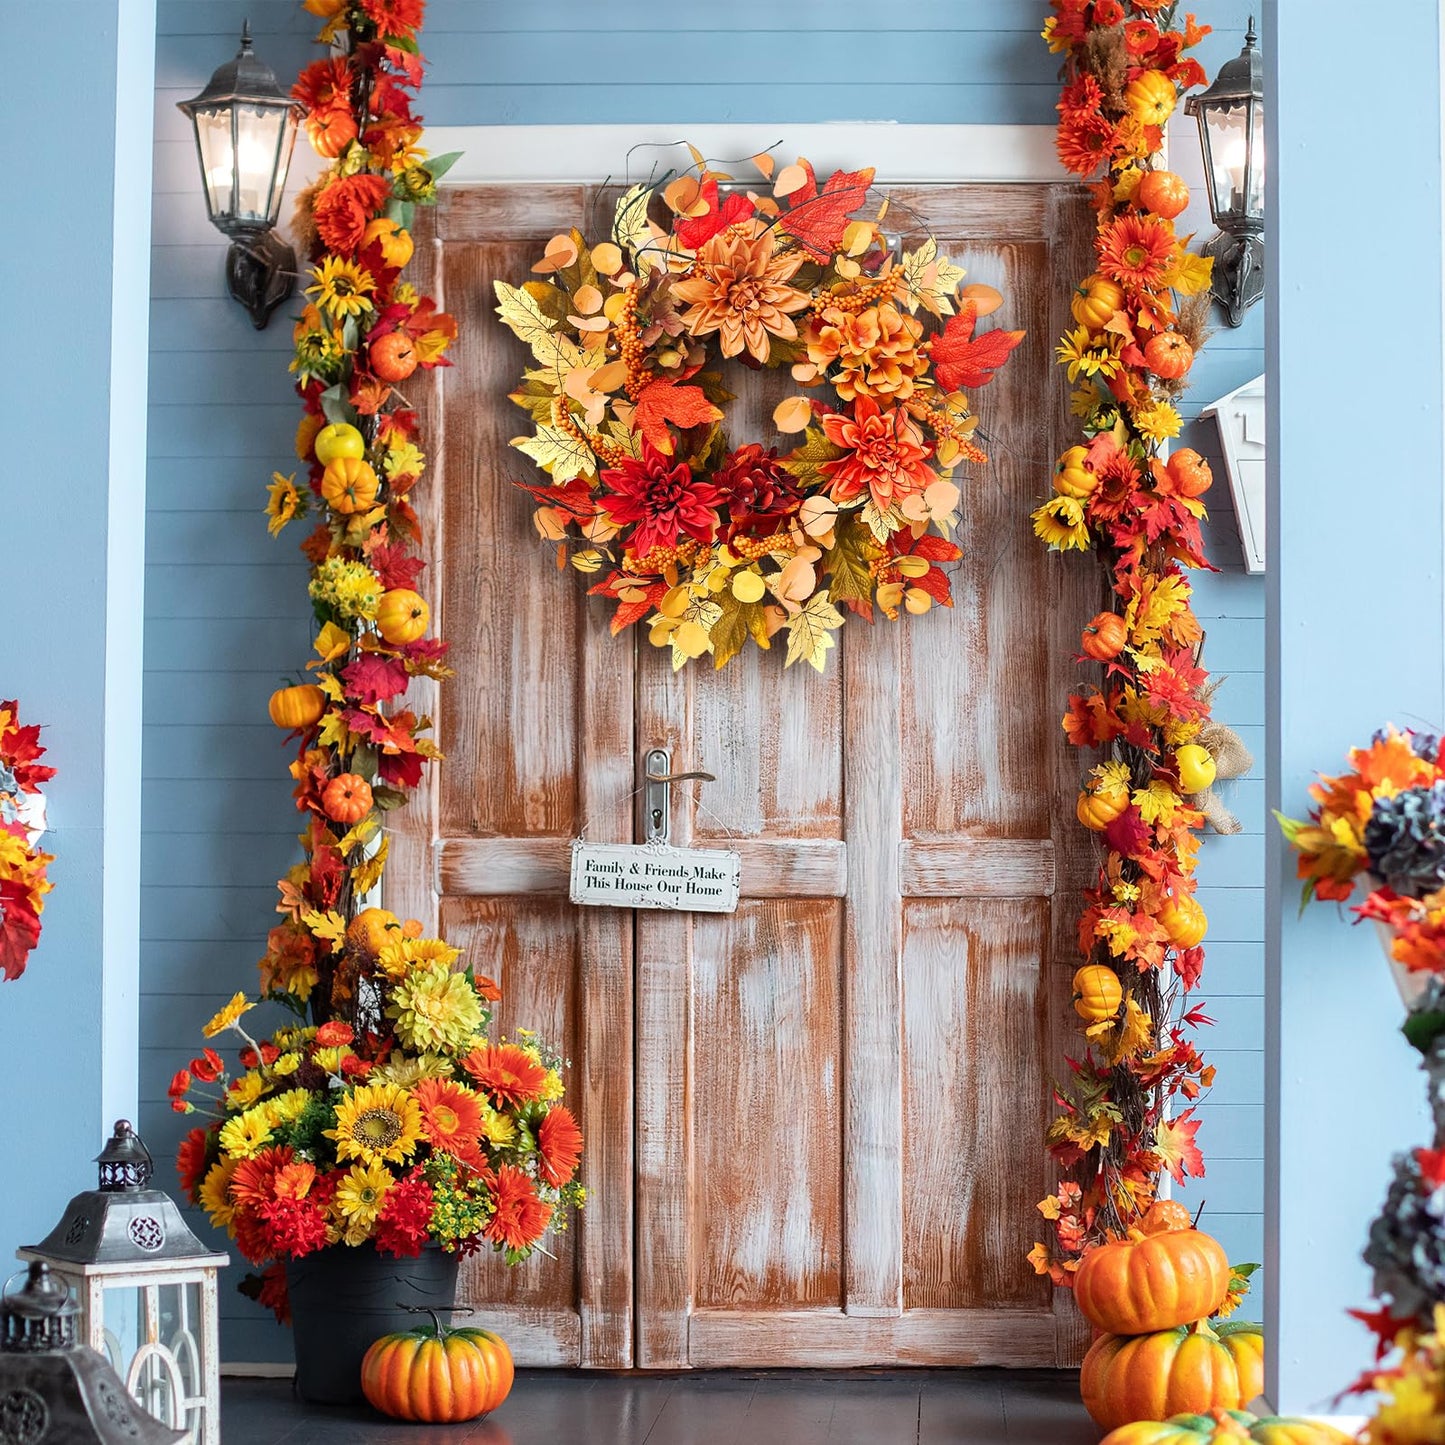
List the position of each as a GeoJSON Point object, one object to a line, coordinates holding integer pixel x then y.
{"type": "Point", "coordinates": [736, 1407]}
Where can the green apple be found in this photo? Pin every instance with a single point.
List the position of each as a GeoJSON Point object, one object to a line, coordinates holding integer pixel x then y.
{"type": "Point", "coordinates": [339, 440]}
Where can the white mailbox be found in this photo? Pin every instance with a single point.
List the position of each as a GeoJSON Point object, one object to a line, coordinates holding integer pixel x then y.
{"type": "Point", "coordinates": [1240, 417]}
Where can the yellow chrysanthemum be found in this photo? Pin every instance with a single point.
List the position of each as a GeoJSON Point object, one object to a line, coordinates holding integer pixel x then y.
{"type": "Point", "coordinates": [554, 1088]}
{"type": "Point", "coordinates": [245, 1091]}
{"type": "Point", "coordinates": [435, 1009]}
{"type": "Point", "coordinates": [246, 1134]}
{"type": "Point", "coordinates": [376, 1122]}
{"type": "Point", "coordinates": [408, 1070]}
{"type": "Point", "coordinates": [292, 1037]}
{"type": "Point", "coordinates": [342, 287]}
{"type": "Point", "coordinates": [227, 1017]}
{"type": "Point", "coordinates": [350, 589]}
{"type": "Point", "coordinates": [330, 1059]}
{"type": "Point", "coordinates": [402, 954]}
{"type": "Point", "coordinates": [283, 503]}
{"type": "Point", "coordinates": [1158, 422]}
{"type": "Point", "coordinates": [287, 1064]}
{"type": "Point", "coordinates": [499, 1130]}
{"type": "Point", "coordinates": [361, 1194]}
{"type": "Point", "coordinates": [215, 1192]}
{"type": "Point", "coordinates": [288, 1107]}
{"type": "Point", "coordinates": [1060, 523]}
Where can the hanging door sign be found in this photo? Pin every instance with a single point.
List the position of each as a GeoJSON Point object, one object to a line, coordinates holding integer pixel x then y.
{"type": "Point", "coordinates": [652, 875]}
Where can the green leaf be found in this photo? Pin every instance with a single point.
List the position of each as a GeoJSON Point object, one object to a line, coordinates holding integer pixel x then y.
{"type": "Point", "coordinates": [804, 460]}
{"type": "Point", "coordinates": [850, 579]}
{"type": "Point", "coordinates": [1288, 826]}
{"type": "Point", "coordinates": [350, 333]}
{"type": "Point", "coordinates": [732, 630]}
{"type": "Point", "coordinates": [1422, 1027]}
{"type": "Point", "coordinates": [440, 165]}
{"type": "Point", "coordinates": [336, 405]}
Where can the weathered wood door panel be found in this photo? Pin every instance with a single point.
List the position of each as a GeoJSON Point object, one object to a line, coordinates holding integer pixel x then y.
{"type": "Point", "coordinates": [839, 1091]}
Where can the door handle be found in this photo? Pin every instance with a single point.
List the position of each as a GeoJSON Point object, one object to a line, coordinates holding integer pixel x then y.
{"type": "Point", "coordinates": [657, 780]}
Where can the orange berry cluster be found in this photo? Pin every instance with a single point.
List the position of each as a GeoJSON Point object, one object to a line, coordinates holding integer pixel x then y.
{"type": "Point", "coordinates": [859, 299]}
{"type": "Point", "coordinates": [634, 354]}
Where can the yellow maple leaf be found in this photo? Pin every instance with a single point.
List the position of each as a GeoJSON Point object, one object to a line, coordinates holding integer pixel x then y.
{"type": "Point", "coordinates": [367, 875]}
{"type": "Point", "coordinates": [1157, 802]}
{"type": "Point", "coordinates": [931, 280]}
{"type": "Point", "coordinates": [334, 733]}
{"type": "Point", "coordinates": [1135, 1033]}
{"type": "Point", "coordinates": [1050, 1208]}
{"type": "Point", "coordinates": [1038, 1256]}
{"type": "Point", "coordinates": [331, 642]}
{"type": "Point", "coordinates": [329, 927]}
{"type": "Point", "coordinates": [520, 311]}
{"type": "Point", "coordinates": [363, 832]}
{"type": "Point", "coordinates": [810, 632]}
{"type": "Point", "coordinates": [1152, 608]}
{"type": "Point", "coordinates": [558, 452]}
{"type": "Point", "coordinates": [1189, 273]}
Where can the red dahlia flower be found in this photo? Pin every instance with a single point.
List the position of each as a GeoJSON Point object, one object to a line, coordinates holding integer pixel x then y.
{"type": "Point", "coordinates": [663, 498]}
{"type": "Point", "coordinates": [759, 491]}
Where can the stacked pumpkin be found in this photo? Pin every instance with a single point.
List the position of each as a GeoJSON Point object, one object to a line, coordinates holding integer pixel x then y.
{"type": "Point", "coordinates": [1151, 1295]}
{"type": "Point", "coordinates": [1232, 1426]}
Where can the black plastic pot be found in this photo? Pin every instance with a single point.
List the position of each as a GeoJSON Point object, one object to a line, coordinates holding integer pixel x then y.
{"type": "Point", "coordinates": [344, 1299]}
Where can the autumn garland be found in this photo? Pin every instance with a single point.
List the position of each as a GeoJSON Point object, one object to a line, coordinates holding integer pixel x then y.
{"type": "Point", "coordinates": [713, 543]}
{"type": "Point", "coordinates": [23, 884]}
{"type": "Point", "coordinates": [1124, 68]}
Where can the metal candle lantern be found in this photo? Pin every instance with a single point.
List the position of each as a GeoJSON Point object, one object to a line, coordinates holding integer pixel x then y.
{"type": "Point", "coordinates": [53, 1391]}
{"type": "Point", "coordinates": [147, 1288]}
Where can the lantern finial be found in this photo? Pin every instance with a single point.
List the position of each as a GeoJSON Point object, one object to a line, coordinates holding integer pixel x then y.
{"type": "Point", "coordinates": [125, 1162]}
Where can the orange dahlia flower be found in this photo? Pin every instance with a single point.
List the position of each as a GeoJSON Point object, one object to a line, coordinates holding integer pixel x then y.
{"type": "Point", "coordinates": [885, 454]}
{"type": "Point", "coordinates": [875, 351]}
{"type": "Point", "coordinates": [738, 287]}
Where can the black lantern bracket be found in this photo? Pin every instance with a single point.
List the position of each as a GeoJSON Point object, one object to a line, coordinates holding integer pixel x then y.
{"type": "Point", "coordinates": [260, 273]}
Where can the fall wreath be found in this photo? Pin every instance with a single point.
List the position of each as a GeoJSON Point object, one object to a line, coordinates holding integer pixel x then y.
{"type": "Point", "coordinates": [712, 539]}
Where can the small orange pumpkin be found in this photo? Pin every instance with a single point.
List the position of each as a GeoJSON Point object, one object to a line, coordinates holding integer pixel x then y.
{"type": "Point", "coordinates": [297, 707]}
{"type": "Point", "coordinates": [402, 616]}
{"type": "Point", "coordinates": [436, 1374]}
{"type": "Point", "coordinates": [372, 929]}
{"type": "Point", "coordinates": [393, 239]}
{"type": "Point", "coordinates": [1096, 300]}
{"type": "Point", "coordinates": [1105, 636]}
{"type": "Point", "coordinates": [1227, 1427]}
{"type": "Point", "coordinates": [1099, 806]}
{"type": "Point", "coordinates": [1165, 1216]}
{"type": "Point", "coordinates": [331, 130]}
{"type": "Point", "coordinates": [1073, 477]}
{"type": "Point", "coordinates": [1162, 192]}
{"type": "Point", "coordinates": [1097, 993]}
{"type": "Point", "coordinates": [1188, 1370]}
{"type": "Point", "coordinates": [1191, 474]}
{"type": "Point", "coordinates": [1149, 1282]}
{"type": "Point", "coordinates": [347, 799]}
{"type": "Point", "coordinates": [349, 485]}
{"type": "Point", "coordinates": [1183, 918]}
{"type": "Point", "coordinates": [1169, 355]}
{"type": "Point", "coordinates": [1151, 97]}
{"type": "Point", "coordinates": [393, 356]}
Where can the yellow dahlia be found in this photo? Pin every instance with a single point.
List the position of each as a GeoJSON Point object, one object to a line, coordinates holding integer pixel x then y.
{"type": "Point", "coordinates": [376, 1122]}
{"type": "Point", "coordinates": [435, 1008]}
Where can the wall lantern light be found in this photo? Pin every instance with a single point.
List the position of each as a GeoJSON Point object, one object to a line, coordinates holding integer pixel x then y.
{"type": "Point", "coordinates": [245, 129]}
{"type": "Point", "coordinates": [147, 1289]}
{"type": "Point", "coordinates": [1231, 131]}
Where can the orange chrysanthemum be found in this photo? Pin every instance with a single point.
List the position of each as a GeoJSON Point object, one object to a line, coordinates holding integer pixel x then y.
{"type": "Point", "coordinates": [344, 208]}
{"type": "Point", "coordinates": [1135, 251]}
{"type": "Point", "coordinates": [451, 1116]}
{"type": "Point", "coordinates": [739, 288]}
{"type": "Point", "coordinates": [521, 1218]}
{"type": "Point", "coordinates": [394, 17]}
{"type": "Point", "coordinates": [559, 1141]}
{"type": "Point", "coordinates": [509, 1074]}
{"type": "Point", "coordinates": [1085, 140]}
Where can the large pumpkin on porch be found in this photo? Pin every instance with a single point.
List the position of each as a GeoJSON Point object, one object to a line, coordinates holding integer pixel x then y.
{"type": "Point", "coordinates": [1225, 1426]}
{"type": "Point", "coordinates": [1191, 1369]}
{"type": "Point", "coordinates": [1150, 1282]}
{"type": "Point", "coordinates": [437, 1375]}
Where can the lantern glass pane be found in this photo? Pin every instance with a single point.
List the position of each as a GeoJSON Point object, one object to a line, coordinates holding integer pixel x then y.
{"type": "Point", "coordinates": [259, 133]}
{"type": "Point", "coordinates": [1255, 189]}
{"type": "Point", "coordinates": [1228, 137]}
{"type": "Point", "coordinates": [213, 136]}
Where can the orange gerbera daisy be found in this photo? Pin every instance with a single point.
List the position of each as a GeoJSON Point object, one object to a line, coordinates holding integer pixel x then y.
{"type": "Point", "coordinates": [254, 1181]}
{"type": "Point", "coordinates": [521, 1218]}
{"type": "Point", "coordinates": [1084, 141]}
{"type": "Point", "coordinates": [738, 287]}
{"type": "Point", "coordinates": [559, 1142]}
{"type": "Point", "coordinates": [451, 1116]}
{"type": "Point", "coordinates": [509, 1074]}
{"type": "Point", "coordinates": [1135, 251]}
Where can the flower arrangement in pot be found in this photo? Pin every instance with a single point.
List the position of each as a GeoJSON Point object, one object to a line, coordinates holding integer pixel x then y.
{"type": "Point", "coordinates": [382, 1125]}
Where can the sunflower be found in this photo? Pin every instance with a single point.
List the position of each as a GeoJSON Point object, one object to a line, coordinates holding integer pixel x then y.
{"type": "Point", "coordinates": [359, 1197]}
{"type": "Point", "coordinates": [738, 287]}
{"type": "Point", "coordinates": [1087, 355]}
{"type": "Point", "coordinates": [435, 1008]}
{"type": "Point", "coordinates": [342, 287]}
{"type": "Point", "coordinates": [376, 1122]}
{"type": "Point", "coordinates": [228, 1017]}
{"type": "Point", "coordinates": [1136, 251]}
{"type": "Point", "coordinates": [246, 1134]}
{"type": "Point", "coordinates": [559, 1142]}
{"type": "Point", "coordinates": [520, 1218]}
{"type": "Point", "coordinates": [509, 1074]}
{"type": "Point", "coordinates": [451, 1116]}
{"type": "Point", "coordinates": [216, 1192]}
{"type": "Point", "coordinates": [283, 502]}
{"type": "Point", "coordinates": [1060, 523]}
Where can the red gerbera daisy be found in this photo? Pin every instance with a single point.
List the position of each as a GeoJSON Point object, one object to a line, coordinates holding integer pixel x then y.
{"type": "Point", "coordinates": [509, 1074]}
{"type": "Point", "coordinates": [521, 1218]}
{"type": "Point", "coordinates": [395, 17]}
{"type": "Point", "coordinates": [663, 498]}
{"type": "Point", "coordinates": [191, 1161]}
{"type": "Point", "coordinates": [1135, 251]}
{"type": "Point", "coordinates": [559, 1142]}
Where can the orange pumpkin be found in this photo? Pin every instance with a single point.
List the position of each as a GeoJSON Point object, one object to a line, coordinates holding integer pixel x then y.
{"type": "Point", "coordinates": [349, 485]}
{"type": "Point", "coordinates": [1105, 636]}
{"type": "Point", "coordinates": [393, 356]}
{"type": "Point", "coordinates": [1164, 1216]}
{"type": "Point", "coordinates": [1096, 299]}
{"type": "Point", "coordinates": [1227, 1427]}
{"type": "Point", "coordinates": [1073, 477]}
{"type": "Point", "coordinates": [1162, 192]}
{"type": "Point", "coordinates": [1099, 806]}
{"type": "Point", "coordinates": [436, 1374]}
{"type": "Point", "coordinates": [372, 929]}
{"type": "Point", "coordinates": [1191, 474]}
{"type": "Point", "coordinates": [1097, 993]}
{"type": "Point", "coordinates": [297, 707]}
{"type": "Point", "coordinates": [331, 130]}
{"type": "Point", "coordinates": [1151, 97]}
{"type": "Point", "coordinates": [1149, 1282]}
{"type": "Point", "coordinates": [1169, 355]}
{"type": "Point", "coordinates": [346, 799]}
{"type": "Point", "coordinates": [402, 616]}
{"type": "Point", "coordinates": [1188, 1370]}
{"type": "Point", "coordinates": [1184, 920]}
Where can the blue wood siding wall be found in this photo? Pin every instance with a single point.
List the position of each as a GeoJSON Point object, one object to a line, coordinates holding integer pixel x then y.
{"type": "Point", "coordinates": [225, 608]}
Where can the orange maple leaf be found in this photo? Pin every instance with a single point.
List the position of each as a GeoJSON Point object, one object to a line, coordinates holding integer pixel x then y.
{"type": "Point", "coordinates": [662, 402]}
{"type": "Point", "coordinates": [1175, 1148]}
{"type": "Point", "coordinates": [962, 360]}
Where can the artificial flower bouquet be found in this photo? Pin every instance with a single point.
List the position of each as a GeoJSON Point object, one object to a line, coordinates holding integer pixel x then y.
{"type": "Point", "coordinates": [383, 1115]}
{"type": "Point", "coordinates": [23, 884]}
{"type": "Point", "coordinates": [1385, 820]}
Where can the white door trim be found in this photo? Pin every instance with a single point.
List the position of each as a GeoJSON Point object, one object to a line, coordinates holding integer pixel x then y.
{"type": "Point", "coordinates": [901, 154]}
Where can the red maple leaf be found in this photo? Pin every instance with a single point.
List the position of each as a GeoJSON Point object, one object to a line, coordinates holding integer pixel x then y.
{"type": "Point", "coordinates": [1175, 1147]}
{"type": "Point", "coordinates": [19, 929]}
{"type": "Point", "coordinates": [662, 402]}
{"type": "Point", "coordinates": [1189, 964]}
{"type": "Point", "coordinates": [400, 770]}
{"type": "Point", "coordinates": [962, 360]}
{"type": "Point", "coordinates": [391, 737]}
{"type": "Point", "coordinates": [573, 498]}
{"type": "Point", "coordinates": [394, 566]}
{"type": "Point", "coordinates": [372, 679]}
{"type": "Point", "coordinates": [692, 231]}
{"type": "Point", "coordinates": [328, 872]}
{"type": "Point", "coordinates": [817, 219]}
{"type": "Point", "coordinates": [1384, 1326]}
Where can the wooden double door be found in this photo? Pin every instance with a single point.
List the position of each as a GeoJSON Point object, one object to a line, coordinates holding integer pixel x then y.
{"type": "Point", "coordinates": [813, 1126]}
